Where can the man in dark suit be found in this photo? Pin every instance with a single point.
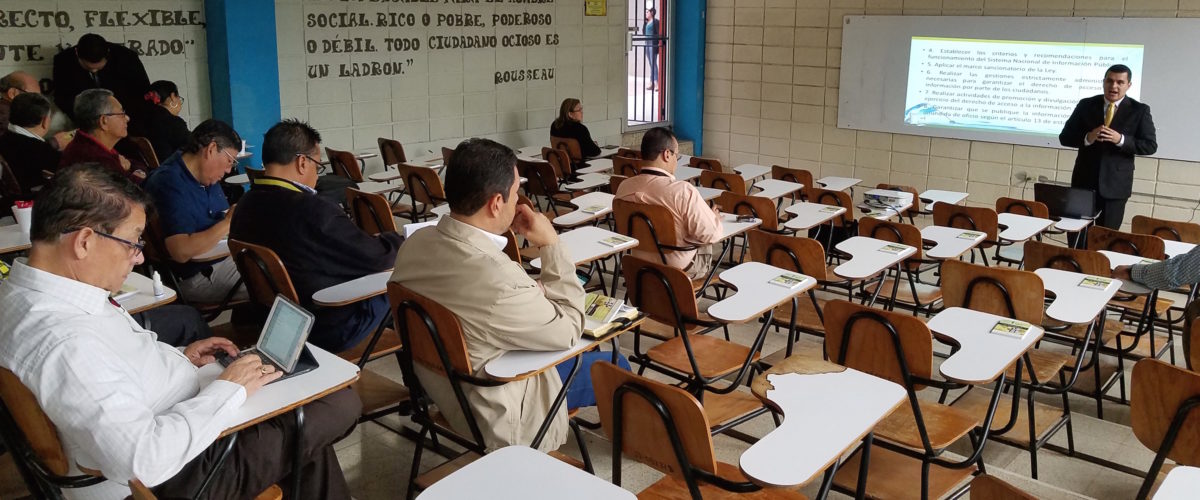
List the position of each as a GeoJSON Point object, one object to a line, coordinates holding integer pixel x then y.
{"type": "Point", "coordinates": [24, 146]}
{"type": "Point", "coordinates": [1109, 129]}
{"type": "Point", "coordinates": [96, 63]}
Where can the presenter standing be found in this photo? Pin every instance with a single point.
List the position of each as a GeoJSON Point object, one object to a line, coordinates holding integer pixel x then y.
{"type": "Point", "coordinates": [1109, 129]}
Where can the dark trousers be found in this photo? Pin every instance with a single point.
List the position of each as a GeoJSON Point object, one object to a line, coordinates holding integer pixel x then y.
{"type": "Point", "coordinates": [176, 324]}
{"type": "Point", "coordinates": [263, 456]}
{"type": "Point", "coordinates": [1112, 214]}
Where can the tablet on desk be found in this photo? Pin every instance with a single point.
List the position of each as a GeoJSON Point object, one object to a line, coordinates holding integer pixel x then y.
{"type": "Point", "coordinates": [281, 343]}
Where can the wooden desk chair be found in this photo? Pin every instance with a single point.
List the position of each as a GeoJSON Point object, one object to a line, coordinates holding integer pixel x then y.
{"type": "Point", "coordinates": [544, 186]}
{"type": "Point", "coordinates": [447, 153]}
{"type": "Point", "coordinates": [697, 360]}
{"type": "Point", "coordinates": [1187, 232]}
{"type": "Point", "coordinates": [1163, 399]}
{"type": "Point", "coordinates": [614, 182]}
{"type": "Point", "coordinates": [1020, 295]}
{"type": "Point", "coordinates": [919, 296]}
{"type": "Point", "coordinates": [629, 153]}
{"type": "Point", "coordinates": [146, 150]}
{"type": "Point", "coordinates": [391, 151]}
{"type": "Point", "coordinates": [805, 256]}
{"type": "Point", "coordinates": [1191, 329]}
{"type": "Point", "coordinates": [716, 179]}
{"type": "Point", "coordinates": [1133, 308]}
{"type": "Point", "coordinates": [568, 145]}
{"type": "Point", "coordinates": [344, 164]}
{"type": "Point", "coordinates": [702, 163]}
{"type": "Point", "coordinates": [564, 170]}
{"type": "Point", "coordinates": [666, 428]}
{"type": "Point", "coordinates": [988, 487]}
{"type": "Point", "coordinates": [627, 166]}
{"type": "Point", "coordinates": [371, 212]}
{"type": "Point", "coordinates": [1027, 208]}
{"type": "Point", "coordinates": [33, 440]}
{"type": "Point", "coordinates": [899, 348]}
{"type": "Point", "coordinates": [434, 341]}
{"type": "Point", "coordinates": [912, 211]}
{"type": "Point", "coordinates": [797, 175]}
{"type": "Point", "coordinates": [1081, 337]}
{"type": "Point", "coordinates": [982, 219]}
{"type": "Point", "coordinates": [266, 277]}
{"type": "Point", "coordinates": [10, 189]}
{"type": "Point", "coordinates": [838, 228]}
{"type": "Point", "coordinates": [425, 191]}
{"type": "Point", "coordinates": [654, 228]}
{"type": "Point", "coordinates": [761, 208]}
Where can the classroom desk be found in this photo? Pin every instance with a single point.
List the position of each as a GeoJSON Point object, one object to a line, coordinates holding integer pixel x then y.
{"type": "Point", "coordinates": [884, 211]}
{"type": "Point", "coordinates": [144, 299]}
{"type": "Point", "coordinates": [833, 183]}
{"type": "Point", "coordinates": [982, 355]}
{"type": "Point", "coordinates": [1073, 303]}
{"type": "Point", "coordinates": [217, 252]}
{"type": "Point", "coordinates": [750, 171]}
{"type": "Point", "coordinates": [387, 175]}
{"type": "Point", "coordinates": [826, 408]}
{"type": "Point", "coordinates": [1123, 259]}
{"type": "Point", "coordinates": [592, 206]}
{"type": "Point", "coordinates": [685, 173]}
{"type": "Point", "coordinates": [1072, 225]}
{"type": "Point", "coordinates": [1021, 227]}
{"type": "Point", "coordinates": [584, 245]}
{"type": "Point", "coordinates": [441, 210]}
{"type": "Point", "coordinates": [950, 242]}
{"type": "Point", "coordinates": [1174, 248]}
{"type": "Point", "coordinates": [709, 194]}
{"type": "Point", "coordinates": [1181, 483]}
{"type": "Point", "coordinates": [935, 196]}
{"type": "Point", "coordinates": [353, 291]}
{"type": "Point", "coordinates": [587, 181]}
{"type": "Point", "coordinates": [754, 293]}
{"type": "Point", "coordinates": [378, 187]}
{"type": "Point", "coordinates": [605, 152]}
{"type": "Point", "coordinates": [867, 259]}
{"type": "Point", "coordinates": [775, 189]}
{"type": "Point", "coordinates": [730, 227]}
{"type": "Point", "coordinates": [808, 215]}
{"type": "Point", "coordinates": [238, 179]}
{"type": "Point", "coordinates": [12, 239]}
{"type": "Point", "coordinates": [597, 166]}
{"type": "Point", "coordinates": [522, 473]}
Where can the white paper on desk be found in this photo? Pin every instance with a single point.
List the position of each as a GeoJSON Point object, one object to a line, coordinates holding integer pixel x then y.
{"type": "Point", "coordinates": [409, 229]}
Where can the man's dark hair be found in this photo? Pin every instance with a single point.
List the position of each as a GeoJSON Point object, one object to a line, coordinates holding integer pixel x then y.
{"type": "Point", "coordinates": [84, 195]}
{"type": "Point", "coordinates": [28, 110]}
{"type": "Point", "coordinates": [478, 170]}
{"type": "Point", "coordinates": [286, 139]}
{"type": "Point", "coordinates": [92, 48]}
{"type": "Point", "coordinates": [213, 130]}
{"type": "Point", "coordinates": [656, 140]}
{"type": "Point", "coordinates": [1120, 68]}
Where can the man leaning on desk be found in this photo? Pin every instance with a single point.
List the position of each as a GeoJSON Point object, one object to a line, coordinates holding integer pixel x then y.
{"type": "Point", "coordinates": [1109, 129]}
{"type": "Point", "coordinates": [461, 264]}
{"type": "Point", "coordinates": [124, 403]}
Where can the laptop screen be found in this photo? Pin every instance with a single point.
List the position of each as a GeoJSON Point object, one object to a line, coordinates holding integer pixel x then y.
{"type": "Point", "coordinates": [284, 335]}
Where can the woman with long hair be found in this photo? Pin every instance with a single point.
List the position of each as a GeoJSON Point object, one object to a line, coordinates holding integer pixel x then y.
{"type": "Point", "coordinates": [570, 124]}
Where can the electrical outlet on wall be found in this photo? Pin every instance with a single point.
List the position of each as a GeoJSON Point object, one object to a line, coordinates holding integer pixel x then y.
{"type": "Point", "coordinates": [1021, 176]}
{"type": "Point", "coordinates": [1042, 178]}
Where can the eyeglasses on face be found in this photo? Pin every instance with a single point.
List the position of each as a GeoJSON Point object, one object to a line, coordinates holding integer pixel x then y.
{"type": "Point", "coordinates": [233, 162]}
{"type": "Point", "coordinates": [135, 248]}
{"type": "Point", "coordinates": [314, 160]}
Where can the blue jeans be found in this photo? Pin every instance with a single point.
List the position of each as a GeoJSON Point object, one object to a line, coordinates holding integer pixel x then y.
{"type": "Point", "coordinates": [581, 393]}
{"type": "Point", "coordinates": [339, 332]}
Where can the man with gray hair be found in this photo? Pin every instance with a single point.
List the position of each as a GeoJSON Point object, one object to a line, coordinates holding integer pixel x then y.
{"type": "Point", "coordinates": [102, 122]}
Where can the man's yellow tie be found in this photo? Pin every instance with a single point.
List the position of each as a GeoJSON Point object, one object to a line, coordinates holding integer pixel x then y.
{"type": "Point", "coordinates": [1108, 114]}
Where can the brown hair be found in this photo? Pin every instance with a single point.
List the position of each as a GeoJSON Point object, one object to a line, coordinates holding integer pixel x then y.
{"type": "Point", "coordinates": [564, 111]}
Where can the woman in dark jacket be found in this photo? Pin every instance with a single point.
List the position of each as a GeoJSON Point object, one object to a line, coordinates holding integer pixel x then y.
{"type": "Point", "coordinates": [160, 122]}
{"type": "Point", "coordinates": [570, 124]}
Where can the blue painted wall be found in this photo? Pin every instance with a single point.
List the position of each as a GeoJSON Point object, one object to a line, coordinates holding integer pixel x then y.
{"type": "Point", "coordinates": [243, 68]}
{"type": "Point", "coordinates": [687, 62]}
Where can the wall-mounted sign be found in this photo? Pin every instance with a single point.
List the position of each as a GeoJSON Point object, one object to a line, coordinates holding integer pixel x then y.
{"type": "Point", "coordinates": [595, 8]}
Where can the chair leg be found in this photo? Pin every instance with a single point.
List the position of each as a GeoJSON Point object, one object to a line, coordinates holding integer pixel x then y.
{"type": "Point", "coordinates": [1033, 464]}
{"type": "Point", "coordinates": [416, 463]}
{"type": "Point", "coordinates": [583, 449]}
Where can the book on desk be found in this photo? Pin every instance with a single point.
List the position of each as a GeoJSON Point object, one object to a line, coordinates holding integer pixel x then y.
{"type": "Point", "coordinates": [1011, 328]}
{"type": "Point", "coordinates": [788, 280]}
{"type": "Point", "coordinates": [603, 314]}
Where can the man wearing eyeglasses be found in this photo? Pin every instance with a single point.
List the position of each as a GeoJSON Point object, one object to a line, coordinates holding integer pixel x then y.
{"type": "Point", "coordinates": [102, 124]}
{"type": "Point", "coordinates": [123, 402]}
{"type": "Point", "coordinates": [193, 213]}
{"type": "Point", "coordinates": [319, 245]}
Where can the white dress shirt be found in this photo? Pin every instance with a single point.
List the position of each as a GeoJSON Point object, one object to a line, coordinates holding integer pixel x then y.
{"type": "Point", "coordinates": [25, 132]}
{"type": "Point", "coordinates": [123, 403]}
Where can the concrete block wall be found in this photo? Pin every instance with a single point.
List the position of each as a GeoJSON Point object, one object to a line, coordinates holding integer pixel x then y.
{"type": "Point", "coordinates": [445, 95]}
{"type": "Point", "coordinates": [771, 94]}
{"type": "Point", "coordinates": [169, 35]}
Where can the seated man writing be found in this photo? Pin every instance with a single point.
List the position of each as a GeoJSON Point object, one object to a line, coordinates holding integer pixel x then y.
{"type": "Point", "coordinates": [124, 403]}
{"type": "Point", "coordinates": [461, 265]}
{"type": "Point", "coordinates": [695, 222]}
{"type": "Point", "coordinates": [319, 245]}
{"type": "Point", "coordinates": [193, 214]}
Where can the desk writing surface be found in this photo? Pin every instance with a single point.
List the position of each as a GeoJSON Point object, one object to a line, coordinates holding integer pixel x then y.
{"type": "Point", "coordinates": [281, 396]}
{"type": "Point", "coordinates": [597, 166]}
{"type": "Point", "coordinates": [238, 179]}
{"type": "Point", "coordinates": [588, 181]}
{"type": "Point", "coordinates": [1174, 248]}
{"type": "Point", "coordinates": [834, 183]}
{"type": "Point", "coordinates": [730, 227]}
{"type": "Point", "coordinates": [378, 187]}
{"type": "Point", "coordinates": [709, 194]}
{"type": "Point", "coordinates": [949, 242]}
{"type": "Point", "coordinates": [218, 251]}
{"type": "Point", "coordinates": [808, 214]}
{"type": "Point", "coordinates": [775, 189]}
{"type": "Point", "coordinates": [824, 414]}
{"type": "Point", "coordinates": [685, 173]}
{"type": "Point", "coordinates": [866, 257]}
{"type": "Point", "coordinates": [144, 299]}
{"type": "Point", "coordinates": [1021, 227]}
{"type": "Point", "coordinates": [982, 355]}
{"type": "Point", "coordinates": [1182, 483]}
{"type": "Point", "coordinates": [522, 473]}
{"type": "Point", "coordinates": [1072, 225]}
{"type": "Point", "coordinates": [354, 290]}
{"type": "Point", "coordinates": [754, 293]}
{"type": "Point", "coordinates": [517, 365]}
{"type": "Point", "coordinates": [751, 171]}
{"type": "Point", "coordinates": [579, 216]}
{"type": "Point", "coordinates": [607, 152]}
{"type": "Point", "coordinates": [1123, 259]}
{"type": "Point", "coordinates": [1073, 303]}
{"type": "Point", "coordinates": [935, 196]}
{"type": "Point", "coordinates": [584, 245]}
{"type": "Point", "coordinates": [12, 239]}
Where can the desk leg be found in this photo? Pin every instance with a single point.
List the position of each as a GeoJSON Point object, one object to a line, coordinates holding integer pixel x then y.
{"type": "Point", "coordinates": [558, 401]}
{"type": "Point", "coordinates": [864, 465]}
{"type": "Point", "coordinates": [298, 451]}
{"type": "Point", "coordinates": [616, 274]}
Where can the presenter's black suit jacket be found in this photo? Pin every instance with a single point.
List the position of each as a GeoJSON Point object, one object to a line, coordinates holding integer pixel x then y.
{"type": "Point", "coordinates": [1103, 167]}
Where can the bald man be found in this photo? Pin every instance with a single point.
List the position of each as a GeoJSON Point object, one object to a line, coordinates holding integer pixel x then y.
{"type": "Point", "coordinates": [15, 84]}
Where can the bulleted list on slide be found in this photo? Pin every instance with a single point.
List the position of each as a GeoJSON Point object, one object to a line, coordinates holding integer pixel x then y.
{"type": "Point", "coordinates": [1007, 85]}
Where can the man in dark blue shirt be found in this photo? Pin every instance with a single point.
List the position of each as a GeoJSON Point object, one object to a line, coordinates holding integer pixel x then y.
{"type": "Point", "coordinates": [193, 213]}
